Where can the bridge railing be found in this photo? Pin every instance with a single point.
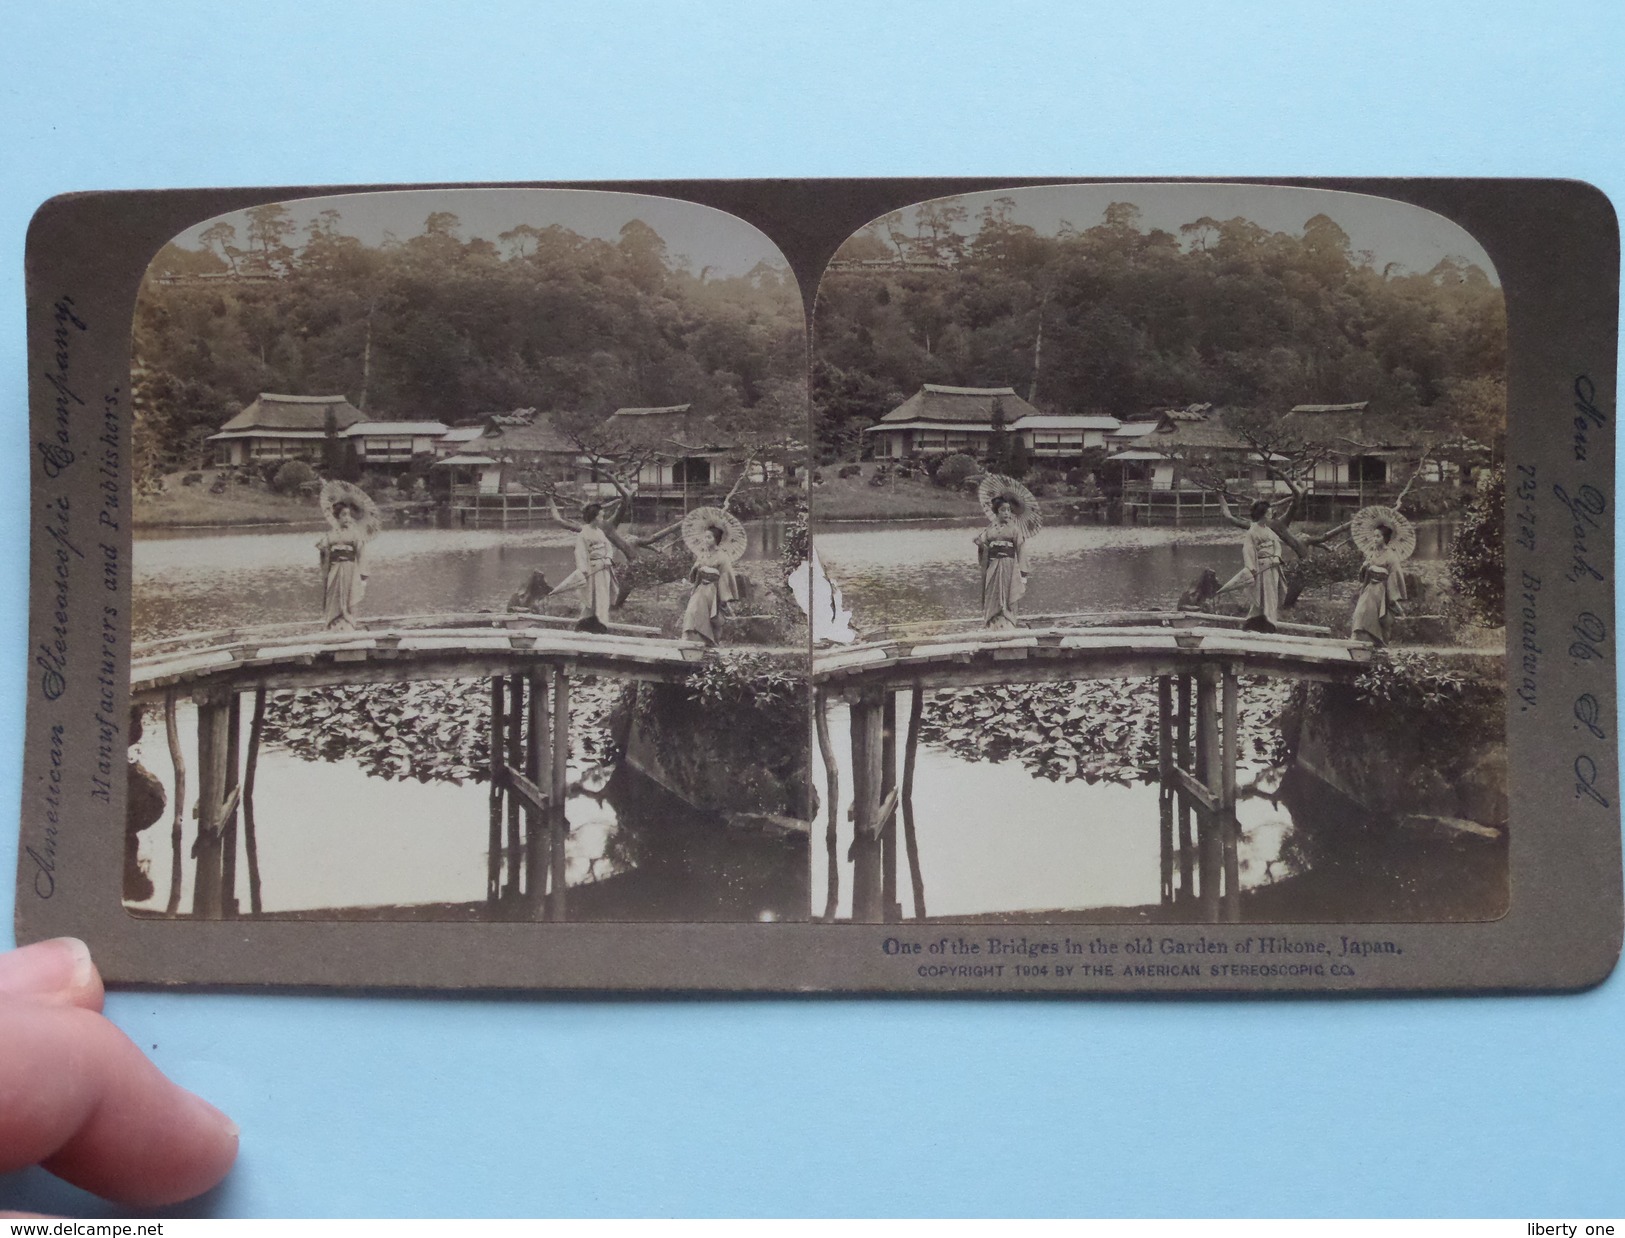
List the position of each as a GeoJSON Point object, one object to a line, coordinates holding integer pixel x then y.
{"type": "Point", "coordinates": [1086, 619]}
{"type": "Point", "coordinates": [383, 623]}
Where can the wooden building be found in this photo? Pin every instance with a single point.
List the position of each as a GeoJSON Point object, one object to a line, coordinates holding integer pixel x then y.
{"type": "Point", "coordinates": [392, 444]}
{"type": "Point", "coordinates": [939, 420]}
{"type": "Point", "coordinates": [689, 453]}
{"type": "Point", "coordinates": [282, 427]}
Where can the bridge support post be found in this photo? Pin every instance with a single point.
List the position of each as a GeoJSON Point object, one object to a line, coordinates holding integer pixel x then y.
{"type": "Point", "coordinates": [888, 827]}
{"type": "Point", "coordinates": [558, 792]}
{"type": "Point", "coordinates": [214, 758]}
{"type": "Point", "coordinates": [1187, 880]}
{"type": "Point", "coordinates": [868, 897]}
{"type": "Point", "coordinates": [515, 760]}
{"type": "Point", "coordinates": [915, 708]}
{"type": "Point", "coordinates": [1165, 787]}
{"type": "Point", "coordinates": [832, 780]}
{"type": "Point", "coordinates": [1227, 798]}
{"type": "Point", "coordinates": [251, 848]}
{"type": "Point", "coordinates": [493, 855]}
{"type": "Point", "coordinates": [1208, 773]}
{"type": "Point", "coordinates": [537, 754]}
{"type": "Point", "coordinates": [228, 823]}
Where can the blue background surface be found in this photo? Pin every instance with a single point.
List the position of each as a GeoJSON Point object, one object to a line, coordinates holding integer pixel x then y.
{"type": "Point", "coordinates": [368, 1106]}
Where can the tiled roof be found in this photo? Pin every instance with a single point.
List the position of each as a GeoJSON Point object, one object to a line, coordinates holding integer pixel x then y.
{"type": "Point", "coordinates": [1081, 421]}
{"type": "Point", "coordinates": [432, 429]}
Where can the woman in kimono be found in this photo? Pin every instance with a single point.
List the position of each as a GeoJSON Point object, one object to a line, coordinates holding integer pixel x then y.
{"type": "Point", "coordinates": [1001, 549]}
{"type": "Point", "coordinates": [715, 588]}
{"type": "Point", "coordinates": [1382, 589]}
{"type": "Point", "coordinates": [595, 562]}
{"type": "Point", "coordinates": [343, 550]}
{"type": "Point", "coordinates": [1262, 553]}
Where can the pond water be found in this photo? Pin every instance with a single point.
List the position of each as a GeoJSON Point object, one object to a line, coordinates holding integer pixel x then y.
{"type": "Point", "coordinates": [331, 836]}
{"type": "Point", "coordinates": [191, 581]}
{"type": "Point", "coordinates": [997, 842]}
{"type": "Point", "coordinates": [902, 571]}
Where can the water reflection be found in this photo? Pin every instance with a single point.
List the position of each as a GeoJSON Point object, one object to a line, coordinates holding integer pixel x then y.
{"type": "Point", "coordinates": [187, 582]}
{"type": "Point", "coordinates": [895, 572]}
{"type": "Point", "coordinates": [333, 840]}
{"type": "Point", "coordinates": [995, 842]}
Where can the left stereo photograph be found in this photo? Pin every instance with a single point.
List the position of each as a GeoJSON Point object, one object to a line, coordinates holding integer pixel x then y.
{"type": "Point", "coordinates": [464, 528]}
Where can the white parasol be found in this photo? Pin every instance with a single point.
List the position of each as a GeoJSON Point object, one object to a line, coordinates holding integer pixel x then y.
{"type": "Point", "coordinates": [713, 536]}
{"type": "Point", "coordinates": [1023, 506]}
{"type": "Point", "coordinates": [336, 494]}
{"type": "Point", "coordinates": [1366, 531]}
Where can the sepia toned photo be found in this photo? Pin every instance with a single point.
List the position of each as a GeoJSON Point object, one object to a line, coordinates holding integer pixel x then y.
{"type": "Point", "coordinates": [892, 586]}
{"type": "Point", "coordinates": [463, 526]}
{"type": "Point", "coordinates": [1166, 523]}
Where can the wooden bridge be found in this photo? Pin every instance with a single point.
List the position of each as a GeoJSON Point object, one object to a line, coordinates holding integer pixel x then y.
{"type": "Point", "coordinates": [1196, 661]}
{"type": "Point", "coordinates": [529, 660]}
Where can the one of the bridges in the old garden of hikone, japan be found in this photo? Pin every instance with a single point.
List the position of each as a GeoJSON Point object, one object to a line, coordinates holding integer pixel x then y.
{"type": "Point", "coordinates": [529, 659]}
{"type": "Point", "coordinates": [1195, 661]}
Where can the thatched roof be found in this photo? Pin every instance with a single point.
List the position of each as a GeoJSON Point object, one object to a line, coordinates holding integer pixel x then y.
{"type": "Point", "coordinates": [675, 428]}
{"type": "Point", "coordinates": [523, 430]}
{"type": "Point", "coordinates": [959, 406]}
{"type": "Point", "coordinates": [1207, 433]}
{"type": "Point", "coordinates": [1347, 427]}
{"type": "Point", "coordinates": [270, 411]}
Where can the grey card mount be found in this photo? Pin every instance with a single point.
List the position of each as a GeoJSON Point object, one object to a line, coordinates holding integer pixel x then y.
{"type": "Point", "coordinates": [1030, 586]}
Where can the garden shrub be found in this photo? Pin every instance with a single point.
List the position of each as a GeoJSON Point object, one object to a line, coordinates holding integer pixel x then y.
{"type": "Point", "coordinates": [291, 476]}
{"type": "Point", "coordinates": [956, 470]}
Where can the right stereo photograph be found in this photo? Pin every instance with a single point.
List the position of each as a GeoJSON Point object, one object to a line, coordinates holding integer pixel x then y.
{"type": "Point", "coordinates": [1160, 529]}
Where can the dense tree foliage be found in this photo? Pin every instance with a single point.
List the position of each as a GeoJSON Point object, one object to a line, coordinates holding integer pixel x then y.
{"type": "Point", "coordinates": [1117, 320]}
{"type": "Point", "coordinates": [436, 327]}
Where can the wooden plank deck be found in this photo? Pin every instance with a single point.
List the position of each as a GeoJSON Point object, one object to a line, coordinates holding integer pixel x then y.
{"type": "Point", "coordinates": [274, 659]}
{"type": "Point", "coordinates": [1048, 654]}
{"type": "Point", "coordinates": [955, 656]}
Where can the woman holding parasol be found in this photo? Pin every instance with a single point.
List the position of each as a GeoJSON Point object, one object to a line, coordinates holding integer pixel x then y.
{"type": "Point", "coordinates": [1001, 548]}
{"type": "Point", "coordinates": [1262, 570]}
{"type": "Point", "coordinates": [595, 570]}
{"type": "Point", "coordinates": [716, 539]}
{"type": "Point", "coordinates": [352, 522]}
{"type": "Point", "coordinates": [1386, 539]}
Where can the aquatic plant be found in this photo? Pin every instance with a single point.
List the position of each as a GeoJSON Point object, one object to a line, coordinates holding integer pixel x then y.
{"type": "Point", "coordinates": [433, 732]}
{"type": "Point", "coordinates": [1094, 730]}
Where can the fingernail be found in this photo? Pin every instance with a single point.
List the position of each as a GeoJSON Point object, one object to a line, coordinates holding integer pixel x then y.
{"type": "Point", "coordinates": [47, 968]}
{"type": "Point", "coordinates": [215, 1117]}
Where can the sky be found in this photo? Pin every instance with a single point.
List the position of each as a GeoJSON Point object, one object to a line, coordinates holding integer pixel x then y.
{"type": "Point", "coordinates": [1396, 232]}
{"type": "Point", "coordinates": [708, 237]}
{"type": "Point", "coordinates": [1393, 231]}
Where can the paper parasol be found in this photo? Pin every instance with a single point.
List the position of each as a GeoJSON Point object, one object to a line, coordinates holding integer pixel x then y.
{"type": "Point", "coordinates": [700, 528]}
{"type": "Point", "coordinates": [1023, 507]}
{"type": "Point", "coordinates": [336, 493]}
{"type": "Point", "coordinates": [1366, 531]}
